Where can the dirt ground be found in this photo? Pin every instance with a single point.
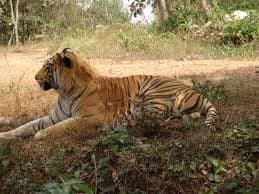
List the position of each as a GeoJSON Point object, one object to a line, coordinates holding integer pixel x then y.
{"type": "Point", "coordinates": [21, 97]}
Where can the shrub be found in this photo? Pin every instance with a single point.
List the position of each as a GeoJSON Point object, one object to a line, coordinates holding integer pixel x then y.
{"type": "Point", "coordinates": [214, 92]}
{"type": "Point", "coordinates": [178, 20]}
{"type": "Point", "coordinates": [238, 32]}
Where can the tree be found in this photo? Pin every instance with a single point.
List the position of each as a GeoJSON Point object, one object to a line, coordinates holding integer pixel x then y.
{"type": "Point", "coordinates": [137, 6]}
{"type": "Point", "coordinates": [162, 7]}
{"type": "Point", "coordinates": [15, 19]}
{"type": "Point", "coordinates": [206, 7]}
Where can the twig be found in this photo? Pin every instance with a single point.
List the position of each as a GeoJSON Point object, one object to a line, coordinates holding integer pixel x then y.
{"type": "Point", "coordinates": [95, 172]}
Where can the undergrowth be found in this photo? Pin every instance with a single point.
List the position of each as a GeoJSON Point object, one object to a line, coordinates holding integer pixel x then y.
{"type": "Point", "coordinates": [124, 40]}
{"type": "Point", "coordinates": [121, 163]}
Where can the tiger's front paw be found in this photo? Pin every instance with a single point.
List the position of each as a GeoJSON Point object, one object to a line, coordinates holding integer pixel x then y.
{"type": "Point", "coordinates": [7, 135]}
{"type": "Point", "coordinates": [40, 134]}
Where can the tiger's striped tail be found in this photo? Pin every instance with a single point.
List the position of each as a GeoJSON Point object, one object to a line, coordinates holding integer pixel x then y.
{"type": "Point", "coordinates": [210, 113]}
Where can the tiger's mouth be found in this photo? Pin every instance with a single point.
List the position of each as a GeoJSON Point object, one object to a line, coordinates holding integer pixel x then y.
{"type": "Point", "coordinates": [44, 85]}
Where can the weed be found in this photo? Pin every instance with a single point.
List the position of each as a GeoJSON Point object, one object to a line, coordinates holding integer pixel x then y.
{"type": "Point", "coordinates": [53, 165]}
{"type": "Point", "coordinates": [116, 139]}
{"type": "Point", "coordinates": [214, 92]}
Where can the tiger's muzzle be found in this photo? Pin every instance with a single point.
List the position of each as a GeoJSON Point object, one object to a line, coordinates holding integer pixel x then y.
{"type": "Point", "coordinates": [44, 84]}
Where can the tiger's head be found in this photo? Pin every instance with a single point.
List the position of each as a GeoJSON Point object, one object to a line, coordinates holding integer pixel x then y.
{"type": "Point", "coordinates": [63, 71]}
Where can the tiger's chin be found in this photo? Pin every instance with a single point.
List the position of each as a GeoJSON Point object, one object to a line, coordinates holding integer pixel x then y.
{"type": "Point", "coordinates": [45, 86]}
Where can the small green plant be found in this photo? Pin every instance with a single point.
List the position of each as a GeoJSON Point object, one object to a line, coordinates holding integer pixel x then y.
{"type": "Point", "coordinates": [116, 139]}
{"type": "Point", "coordinates": [53, 165]}
{"type": "Point", "coordinates": [214, 92]}
{"type": "Point", "coordinates": [246, 130]}
{"type": "Point", "coordinates": [182, 170]}
{"type": "Point", "coordinates": [71, 186]}
{"type": "Point", "coordinates": [217, 169]}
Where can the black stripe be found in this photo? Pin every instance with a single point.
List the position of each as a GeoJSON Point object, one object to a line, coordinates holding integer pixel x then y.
{"type": "Point", "coordinates": [41, 124]}
{"type": "Point", "coordinates": [152, 103]}
{"type": "Point", "coordinates": [75, 99]}
{"type": "Point", "coordinates": [158, 83]}
{"type": "Point", "coordinates": [61, 108]}
{"type": "Point", "coordinates": [162, 97]}
{"type": "Point", "coordinates": [145, 85]}
{"type": "Point", "coordinates": [51, 119]}
{"type": "Point", "coordinates": [56, 114]}
{"type": "Point", "coordinates": [188, 96]}
{"type": "Point", "coordinates": [160, 92]}
{"type": "Point", "coordinates": [194, 105]}
{"type": "Point", "coordinates": [210, 106]}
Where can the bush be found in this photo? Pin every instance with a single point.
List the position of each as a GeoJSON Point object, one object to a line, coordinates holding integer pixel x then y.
{"type": "Point", "coordinates": [239, 32]}
{"type": "Point", "coordinates": [178, 20]}
{"type": "Point", "coordinates": [214, 92]}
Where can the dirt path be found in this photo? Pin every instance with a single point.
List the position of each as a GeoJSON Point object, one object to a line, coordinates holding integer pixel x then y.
{"type": "Point", "coordinates": [20, 96]}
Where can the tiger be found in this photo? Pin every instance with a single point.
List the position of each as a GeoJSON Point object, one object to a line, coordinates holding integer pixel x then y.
{"type": "Point", "coordinates": [88, 100]}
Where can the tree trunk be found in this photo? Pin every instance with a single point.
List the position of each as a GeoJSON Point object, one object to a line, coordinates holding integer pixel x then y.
{"type": "Point", "coordinates": [15, 19]}
{"type": "Point", "coordinates": [206, 7]}
{"type": "Point", "coordinates": [16, 23]}
{"type": "Point", "coordinates": [163, 12]}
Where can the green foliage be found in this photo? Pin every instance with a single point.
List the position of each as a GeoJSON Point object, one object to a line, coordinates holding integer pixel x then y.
{"type": "Point", "coordinates": [116, 139]}
{"type": "Point", "coordinates": [53, 18]}
{"type": "Point", "coordinates": [239, 32]}
{"type": "Point", "coordinates": [179, 20]}
{"type": "Point", "coordinates": [232, 5]}
{"type": "Point", "coordinates": [107, 12]}
{"type": "Point", "coordinates": [217, 169]}
{"type": "Point", "coordinates": [214, 92]}
{"type": "Point", "coordinates": [71, 186]}
{"type": "Point", "coordinates": [53, 165]}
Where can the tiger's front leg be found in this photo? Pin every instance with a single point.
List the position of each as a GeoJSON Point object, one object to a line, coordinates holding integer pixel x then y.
{"type": "Point", "coordinates": [69, 126]}
{"type": "Point", "coordinates": [28, 129]}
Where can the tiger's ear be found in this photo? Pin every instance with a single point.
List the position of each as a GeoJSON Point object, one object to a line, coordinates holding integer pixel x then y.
{"type": "Point", "coordinates": [65, 60]}
{"type": "Point", "coordinates": [67, 50]}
